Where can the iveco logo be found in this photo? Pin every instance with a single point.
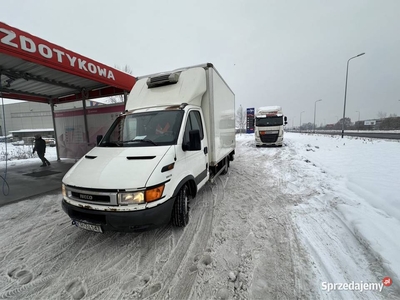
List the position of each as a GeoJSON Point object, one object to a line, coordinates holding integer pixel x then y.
{"type": "Point", "coordinates": [86, 197]}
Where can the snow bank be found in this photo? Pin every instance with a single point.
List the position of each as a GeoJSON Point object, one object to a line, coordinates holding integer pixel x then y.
{"type": "Point", "coordinates": [365, 180]}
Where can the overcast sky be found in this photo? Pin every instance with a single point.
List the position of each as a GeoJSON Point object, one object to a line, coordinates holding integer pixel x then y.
{"type": "Point", "coordinates": [288, 53]}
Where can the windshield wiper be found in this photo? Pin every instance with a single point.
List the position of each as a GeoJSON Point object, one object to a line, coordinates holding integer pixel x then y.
{"type": "Point", "coordinates": [142, 140]}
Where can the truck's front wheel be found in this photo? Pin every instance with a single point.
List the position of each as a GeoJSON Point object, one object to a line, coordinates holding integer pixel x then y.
{"type": "Point", "coordinates": [180, 213]}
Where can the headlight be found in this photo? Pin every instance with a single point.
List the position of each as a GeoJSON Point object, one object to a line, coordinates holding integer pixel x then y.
{"type": "Point", "coordinates": [131, 198]}
{"type": "Point", "coordinates": [141, 197]}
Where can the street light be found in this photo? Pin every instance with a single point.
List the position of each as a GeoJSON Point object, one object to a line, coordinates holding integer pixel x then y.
{"type": "Point", "coordinates": [315, 111]}
{"type": "Point", "coordinates": [345, 90]}
{"type": "Point", "coordinates": [300, 120]}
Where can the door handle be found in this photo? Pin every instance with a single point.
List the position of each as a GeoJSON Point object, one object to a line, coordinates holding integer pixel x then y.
{"type": "Point", "coordinates": [205, 150]}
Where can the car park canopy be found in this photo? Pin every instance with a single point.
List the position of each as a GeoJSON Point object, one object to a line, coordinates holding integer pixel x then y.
{"type": "Point", "coordinates": [33, 69]}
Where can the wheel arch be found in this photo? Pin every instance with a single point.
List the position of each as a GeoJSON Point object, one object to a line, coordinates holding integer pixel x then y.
{"type": "Point", "coordinates": [190, 182]}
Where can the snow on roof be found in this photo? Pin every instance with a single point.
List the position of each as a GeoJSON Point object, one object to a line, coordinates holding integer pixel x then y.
{"type": "Point", "coordinates": [265, 109]}
{"type": "Point", "coordinates": [32, 130]}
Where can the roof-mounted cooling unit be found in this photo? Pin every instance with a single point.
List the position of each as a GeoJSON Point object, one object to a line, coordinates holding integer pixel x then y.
{"type": "Point", "coordinates": [161, 80]}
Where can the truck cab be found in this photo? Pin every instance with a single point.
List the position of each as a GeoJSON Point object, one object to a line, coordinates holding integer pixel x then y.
{"type": "Point", "coordinates": [268, 126]}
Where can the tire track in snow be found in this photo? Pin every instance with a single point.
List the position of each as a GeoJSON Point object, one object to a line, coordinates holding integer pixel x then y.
{"type": "Point", "coordinates": [255, 230]}
{"type": "Point", "coordinates": [193, 233]}
{"type": "Point", "coordinates": [40, 272]}
{"type": "Point", "coordinates": [117, 261]}
{"type": "Point", "coordinates": [198, 257]}
{"type": "Point", "coordinates": [292, 276]}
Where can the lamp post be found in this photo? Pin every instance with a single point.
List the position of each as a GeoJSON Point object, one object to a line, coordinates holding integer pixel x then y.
{"type": "Point", "coordinates": [315, 111]}
{"type": "Point", "coordinates": [358, 124]}
{"type": "Point", "coordinates": [300, 120]}
{"type": "Point", "coordinates": [345, 90]}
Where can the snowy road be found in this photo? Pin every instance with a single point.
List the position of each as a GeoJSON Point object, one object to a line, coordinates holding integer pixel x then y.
{"type": "Point", "coordinates": [269, 229]}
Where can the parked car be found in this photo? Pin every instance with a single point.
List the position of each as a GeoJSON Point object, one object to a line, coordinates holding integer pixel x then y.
{"type": "Point", "coordinates": [50, 142]}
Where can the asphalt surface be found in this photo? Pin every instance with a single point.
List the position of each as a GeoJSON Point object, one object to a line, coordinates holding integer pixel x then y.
{"type": "Point", "coordinates": [29, 179]}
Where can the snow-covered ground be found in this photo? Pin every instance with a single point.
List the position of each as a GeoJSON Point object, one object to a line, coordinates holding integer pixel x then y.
{"type": "Point", "coordinates": [284, 223]}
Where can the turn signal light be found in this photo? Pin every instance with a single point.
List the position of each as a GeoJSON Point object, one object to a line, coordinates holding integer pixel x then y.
{"type": "Point", "coordinates": [168, 167]}
{"type": "Point", "coordinates": [154, 193]}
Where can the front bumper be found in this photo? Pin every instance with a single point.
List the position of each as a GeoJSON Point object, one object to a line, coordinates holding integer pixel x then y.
{"type": "Point", "coordinates": [273, 140]}
{"type": "Point", "coordinates": [123, 221]}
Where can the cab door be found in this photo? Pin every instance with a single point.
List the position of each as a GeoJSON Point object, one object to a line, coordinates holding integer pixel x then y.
{"type": "Point", "coordinates": [196, 160]}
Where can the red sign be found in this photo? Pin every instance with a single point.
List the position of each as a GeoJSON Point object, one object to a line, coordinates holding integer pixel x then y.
{"type": "Point", "coordinates": [17, 43]}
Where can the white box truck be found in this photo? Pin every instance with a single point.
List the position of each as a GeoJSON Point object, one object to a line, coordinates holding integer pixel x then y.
{"type": "Point", "coordinates": [268, 126]}
{"type": "Point", "coordinates": [176, 134]}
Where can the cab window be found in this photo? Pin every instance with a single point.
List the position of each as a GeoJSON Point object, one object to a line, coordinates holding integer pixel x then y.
{"type": "Point", "coordinates": [193, 123]}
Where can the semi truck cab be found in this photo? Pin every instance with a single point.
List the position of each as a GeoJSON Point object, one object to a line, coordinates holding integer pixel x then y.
{"type": "Point", "coordinates": [268, 126]}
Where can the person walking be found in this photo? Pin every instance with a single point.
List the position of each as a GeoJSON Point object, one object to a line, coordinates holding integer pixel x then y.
{"type": "Point", "coordinates": [40, 148]}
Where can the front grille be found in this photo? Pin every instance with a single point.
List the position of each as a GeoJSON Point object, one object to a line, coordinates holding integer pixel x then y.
{"type": "Point", "coordinates": [269, 138]}
{"type": "Point", "coordinates": [91, 197]}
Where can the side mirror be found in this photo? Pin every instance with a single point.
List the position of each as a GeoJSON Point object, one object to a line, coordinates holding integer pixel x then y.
{"type": "Point", "coordinates": [194, 143]}
{"type": "Point", "coordinates": [98, 139]}
{"type": "Point", "coordinates": [194, 140]}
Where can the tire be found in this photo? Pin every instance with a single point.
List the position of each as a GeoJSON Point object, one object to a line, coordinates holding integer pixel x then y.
{"type": "Point", "coordinates": [226, 166]}
{"type": "Point", "coordinates": [180, 211]}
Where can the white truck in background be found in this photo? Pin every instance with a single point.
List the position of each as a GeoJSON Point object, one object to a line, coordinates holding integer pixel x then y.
{"type": "Point", "coordinates": [268, 126]}
{"type": "Point", "coordinates": [176, 134]}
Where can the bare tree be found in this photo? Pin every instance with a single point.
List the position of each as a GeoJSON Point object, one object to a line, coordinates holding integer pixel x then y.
{"type": "Point", "coordinates": [120, 98]}
{"type": "Point", "coordinates": [347, 123]}
{"type": "Point", "coordinates": [240, 118]}
{"type": "Point", "coordinates": [382, 115]}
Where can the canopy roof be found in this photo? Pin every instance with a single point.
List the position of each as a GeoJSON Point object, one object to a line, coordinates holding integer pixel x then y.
{"type": "Point", "coordinates": [34, 69]}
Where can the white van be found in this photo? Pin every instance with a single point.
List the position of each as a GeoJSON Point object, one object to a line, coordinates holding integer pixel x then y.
{"type": "Point", "coordinates": [156, 155]}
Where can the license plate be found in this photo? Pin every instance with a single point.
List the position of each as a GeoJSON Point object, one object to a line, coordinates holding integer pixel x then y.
{"type": "Point", "coordinates": [87, 226]}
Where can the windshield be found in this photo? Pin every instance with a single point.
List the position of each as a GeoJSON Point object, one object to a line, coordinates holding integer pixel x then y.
{"type": "Point", "coordinates": [158, 128]}
{"type": "Point", "coordinates": [269, 121]}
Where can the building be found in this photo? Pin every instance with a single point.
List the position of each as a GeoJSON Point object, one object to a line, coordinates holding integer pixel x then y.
{"type": "Point", "coordinates": [26, 136]}
{"type": "Point", "coordinates": [23, 117]}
